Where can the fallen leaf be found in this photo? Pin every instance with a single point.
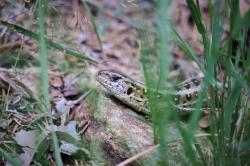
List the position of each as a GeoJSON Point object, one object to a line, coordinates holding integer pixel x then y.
{"type": "Point", "coordinates": [204, 122]}
{"type": "Point", "coordinates": [68, 148]}
{"type": "Point", "coordinates": [26, 138]}
{"type": "Point", "coordinates": [27, 156]}
{"type": "Point", "coordinates": [62, 106]}
{"type": "Point", "coordinates": [70, 129]}
{"type": "Point", "coordinates": [56, 81]}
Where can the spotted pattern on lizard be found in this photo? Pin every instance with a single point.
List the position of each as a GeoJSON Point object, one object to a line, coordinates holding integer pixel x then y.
{"type": "Point", "coordinates": [133, 93]}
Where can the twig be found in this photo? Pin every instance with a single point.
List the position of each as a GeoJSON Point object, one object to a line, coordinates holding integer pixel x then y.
{"type": "Point", "coordinates": [147, 151]}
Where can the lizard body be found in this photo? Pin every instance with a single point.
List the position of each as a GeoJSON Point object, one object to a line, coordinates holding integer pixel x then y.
{"type": "Point", "coordinates": [133, 93]}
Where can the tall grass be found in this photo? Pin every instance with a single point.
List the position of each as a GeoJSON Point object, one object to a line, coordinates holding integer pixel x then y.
{"type": "Point", "coordinates": [42, 5]}
{"type": "Point", "coordinates": [229, 128]}
{"type": "Point", "coordinates": [230, 124]}
{"type": "Point", "coordinates": [162, 60]}
{"type": "Point", "coordinates": [42, 144]}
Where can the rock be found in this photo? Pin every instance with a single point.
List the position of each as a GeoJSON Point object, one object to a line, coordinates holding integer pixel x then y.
{"type": "Point", "coordinates": [122, 133]}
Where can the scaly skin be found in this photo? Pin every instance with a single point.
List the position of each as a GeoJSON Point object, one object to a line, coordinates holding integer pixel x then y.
{"type": "Point", "coordinates": [133, 94]}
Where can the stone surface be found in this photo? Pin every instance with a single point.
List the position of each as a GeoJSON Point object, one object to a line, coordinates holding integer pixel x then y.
{"type": "Point", "coordinates": [122, 133]}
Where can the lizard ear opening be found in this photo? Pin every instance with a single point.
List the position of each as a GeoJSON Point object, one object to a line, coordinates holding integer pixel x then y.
{"type": "Point", "coordinates": [129, 90]}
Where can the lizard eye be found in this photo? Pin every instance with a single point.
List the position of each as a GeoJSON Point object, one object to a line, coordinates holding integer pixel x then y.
{"type": "Point", "coordinates": [115, 78]}
{"type": "Point", "coordinates": [196, 82]}
{"type": "Point", "coordinates": [129, 90]}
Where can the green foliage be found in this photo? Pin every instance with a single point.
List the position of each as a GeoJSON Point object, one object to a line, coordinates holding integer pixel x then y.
{"type": "Point", "coordinates": [50, 43]}
{"type": "Point", "coordinates": [8, 157]}
{"type": "Point", "coordinates": [44, 76]}
{"type": "Point", "coordinates": [151, 57]}
{"type": "Point", "coordinates": [93, 23]}
{"type": "Point", "coordinates": [229, 131]}
{"type": "Point", "coordinates": [229, 127]}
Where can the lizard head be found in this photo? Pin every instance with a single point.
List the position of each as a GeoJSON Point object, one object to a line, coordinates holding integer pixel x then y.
{"type": "Point", "coordinates": [133, 94]}
{"type": "Point", "coordinates": [123, 88]}
{"type": "Point", "coordinates": [116, 83]}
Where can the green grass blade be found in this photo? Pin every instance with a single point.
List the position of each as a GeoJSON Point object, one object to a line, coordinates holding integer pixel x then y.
{"type": "Point", "coordinates": [158, 55]}
{"type": "Point", "coordinates": [49, 42]}
{"type": "Point", "coordinates": [163, 34]}
{"type": "Point", "coordinates": [196, 13]}
{"type": "Point", "coordinates": [9, 158]}
{"type": "Point", "coordinates": [92, 20]}
{"type": "Point", "coordinates": [187, 49]}
{"type": "Point", "coordinates": [198, 148]}
{"type": "Point", "coordinates": [44, 76]}
{"type": "Point", "coordinates": [235, 14]}
{"type": "Point", "coordinates": [230, 106]}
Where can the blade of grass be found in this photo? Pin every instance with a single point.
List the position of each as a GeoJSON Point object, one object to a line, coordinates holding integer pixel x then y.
{"type": "Point", "coordinates": [218, 19]}
{"type": "Point", "coordinates": [230, 107]}
{"type": "Point", "coordinates": [187, 49]}
{"type": "Point", "coordinates": [49, 42]}
{"type": "Point", "coordinates": [92, 20]}
{"type": "Point", "coordinates": [9, 158]}
{"type": "Point", "coordinates": [187, 143]}
{"type": "Point", "coordinates": [164, 44]}
{"type": "Point", "coordinates": [159, 56]}
{"type": "Point", "coordinates": [222, 127]}
{"type": "Point", "coordinates": [198, 148]}
{"type": "Point", "coordinates": [232, 72]}
{"type": "Point", "coordinates": [209, 76]}
{"type": "Point", "coordinates": [44, 76]}
{"type": "Point", "coordinates": [235, 14]}
{"type": "Point", "coordinates": [195, 10]}
{"type": "Point", "coordinates": [237, 21]}
{"type": "Point", "coordinates": [196, 13]}
{"type": "Point", "coordinates": [163, 34]}
{"type": "Point", "coordinates": [244, 22]}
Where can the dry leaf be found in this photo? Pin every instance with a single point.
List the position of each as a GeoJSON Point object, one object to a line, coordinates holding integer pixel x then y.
{"type": "Point", "coordinates": [204, 122]}
{"type": "Point", "coordinates": [26, 138]}
{"type": "Point", "coordinates": [68, 148]}
{"type": "Point", "coordinates": [27, 156]}
{"type": "Point", "coordinates": [62, 106]}
{"type": "Point", "coordinates": [56, 81]}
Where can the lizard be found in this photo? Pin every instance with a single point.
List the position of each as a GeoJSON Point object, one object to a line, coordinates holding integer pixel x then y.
{"type": "Point", "coordinates": [133, 94]}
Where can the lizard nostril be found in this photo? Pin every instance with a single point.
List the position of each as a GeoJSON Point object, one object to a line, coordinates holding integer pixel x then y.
{"type": "Point", "coordinates": [129, 90]}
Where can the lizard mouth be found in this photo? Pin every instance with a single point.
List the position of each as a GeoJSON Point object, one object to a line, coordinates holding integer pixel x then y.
{"type": "Point", "coordinates": [103, 77]}
{"type": "Point", "coordinates": [99, 77]}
